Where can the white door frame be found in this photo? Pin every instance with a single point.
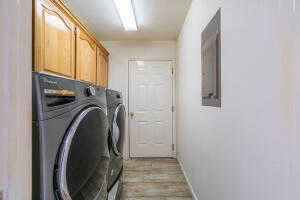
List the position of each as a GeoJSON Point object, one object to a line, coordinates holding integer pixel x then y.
{"type": "Point", "coordinates": [174, 135]}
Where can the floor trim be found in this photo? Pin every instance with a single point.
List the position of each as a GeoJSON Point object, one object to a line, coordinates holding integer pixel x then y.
{"type": "Point", "coordinates": [187, 180]}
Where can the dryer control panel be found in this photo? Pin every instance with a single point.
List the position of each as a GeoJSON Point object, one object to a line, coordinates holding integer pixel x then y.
{"type": "Point", "coordinates": [56, 91]}
{"type": "Point", "coordinates": [54, 95]}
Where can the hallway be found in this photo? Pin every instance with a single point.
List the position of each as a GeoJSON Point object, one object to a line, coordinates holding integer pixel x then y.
{"type": "Point", "coordinates": [154, 179]}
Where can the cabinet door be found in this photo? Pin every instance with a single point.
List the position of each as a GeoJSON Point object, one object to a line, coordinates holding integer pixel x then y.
{"type": "Point", "coordinates": [86, 57]}
{"type": "Point", "coordinates": [54, 40]}
{"type": "Point", "coordinates": [102, 69]}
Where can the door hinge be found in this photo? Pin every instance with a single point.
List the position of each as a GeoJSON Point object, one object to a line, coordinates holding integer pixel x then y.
{"type": "Point", "coordinates": [172, 70]}
{"type": "Point", "coordinates": [173, 108]}
{"type": "Point", "coordinates": [173, 147]}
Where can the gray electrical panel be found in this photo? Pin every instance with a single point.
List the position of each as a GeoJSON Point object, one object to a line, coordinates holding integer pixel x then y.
{"type": "Point", "coordinates": [211, 62]}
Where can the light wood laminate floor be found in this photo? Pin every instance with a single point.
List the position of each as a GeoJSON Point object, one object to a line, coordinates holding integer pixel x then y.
{"type": "Point", "coordinates": [154, 179]}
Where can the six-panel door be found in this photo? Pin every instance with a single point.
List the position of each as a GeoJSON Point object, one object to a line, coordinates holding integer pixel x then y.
{"type": "Point", "coordinates": [150, 108]}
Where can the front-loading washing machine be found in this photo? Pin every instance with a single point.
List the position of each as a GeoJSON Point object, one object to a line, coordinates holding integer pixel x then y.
{"type": "Point", "coordinates": [116, 117]}
{"type": "Point", "coordinates": [70, 147]}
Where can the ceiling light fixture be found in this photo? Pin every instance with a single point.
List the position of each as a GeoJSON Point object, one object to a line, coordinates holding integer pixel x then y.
{"type": "Point", "coordinates": [126, 13]}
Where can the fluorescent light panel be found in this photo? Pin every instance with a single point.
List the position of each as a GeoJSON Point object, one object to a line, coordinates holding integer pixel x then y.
{"type": "Point", "coordinates": [125, 9]}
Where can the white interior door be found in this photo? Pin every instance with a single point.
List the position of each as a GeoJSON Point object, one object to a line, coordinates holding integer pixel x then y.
{"type": "Point", "coordinates": [150, 108]}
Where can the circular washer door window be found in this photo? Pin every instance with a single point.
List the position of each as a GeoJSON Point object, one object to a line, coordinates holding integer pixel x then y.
{"type": "Point", "coordinates": [84, 157]}
{"type": "Point", "coordinates": [118, 129]}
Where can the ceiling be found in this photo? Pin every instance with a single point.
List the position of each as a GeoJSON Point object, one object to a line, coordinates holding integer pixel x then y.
{"type": "Point", "coordinates": [156, 19]}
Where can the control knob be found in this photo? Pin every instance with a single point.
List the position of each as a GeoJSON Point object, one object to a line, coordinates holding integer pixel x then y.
{"type": "Point", "coordinates": [90, 91]}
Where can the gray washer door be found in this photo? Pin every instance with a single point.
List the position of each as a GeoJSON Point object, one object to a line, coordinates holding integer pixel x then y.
{"type": "Point", "coordinates": [118, 129]}
{"type": "Point", "coordinates": [84, 157]}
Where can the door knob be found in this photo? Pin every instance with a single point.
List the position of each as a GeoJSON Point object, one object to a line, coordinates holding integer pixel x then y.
{"type": "Point", "coordinates": [131, 114]}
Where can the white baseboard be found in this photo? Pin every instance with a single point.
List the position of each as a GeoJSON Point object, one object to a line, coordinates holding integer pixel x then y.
{"type": "Point", "coordinates": [187, 180]}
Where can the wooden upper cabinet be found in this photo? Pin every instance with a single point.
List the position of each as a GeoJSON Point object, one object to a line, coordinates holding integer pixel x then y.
{"type": "Point", "coordinates": [54, 40]}
{"type": "Point", "coordinates": [102, 68]}
{"type": "Point", "coordinates": [63, 46]}
{"type": "Point", "coordinates": [86, 57]}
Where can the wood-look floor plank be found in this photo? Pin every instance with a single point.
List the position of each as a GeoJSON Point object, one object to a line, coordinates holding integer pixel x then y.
{"type": "Point", "coordinates": [154, 179]}
{"type": "Point", "coordinates": [156, 190]}
{"type": "Point", "coordinates": [157, 198]}
{"type": "Point", "coordinates": [152, 164]}
{"type": "Point", "coordinates": [153, 176]}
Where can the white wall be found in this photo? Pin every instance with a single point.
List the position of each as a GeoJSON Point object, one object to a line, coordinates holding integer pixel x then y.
{"type": "Point", "coordinates": [15, 101]}
{"type": "Point", "coordinates": [123, 51]}
{"type": "Point", "coordinates": [249, 148]}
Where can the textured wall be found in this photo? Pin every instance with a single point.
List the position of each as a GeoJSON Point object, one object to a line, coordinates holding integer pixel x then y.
{"type": "Point", "coordinates": [249, 148]}
{"type": "Point", "coordinates": [15, 101]}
